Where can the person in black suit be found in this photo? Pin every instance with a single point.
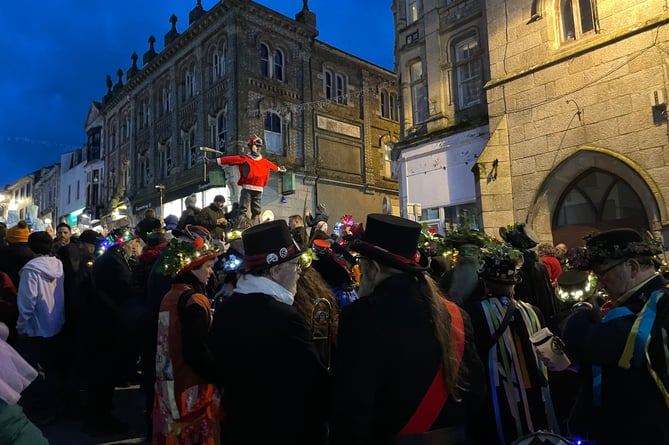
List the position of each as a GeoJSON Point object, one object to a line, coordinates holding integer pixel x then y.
{"type": "Point", "coordinates": [275, 387]}
{"type": "Point", "coordinates": [402, 344]}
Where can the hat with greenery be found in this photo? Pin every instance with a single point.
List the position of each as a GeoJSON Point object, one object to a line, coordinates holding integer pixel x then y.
{"type": "Point", "coordinates": [500, 262]}
{"type": "Point", "coordinates": [187, 252]}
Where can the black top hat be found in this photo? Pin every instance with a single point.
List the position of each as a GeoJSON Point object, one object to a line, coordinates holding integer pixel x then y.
{"type": "Point", "coordinates": [393, 241]}
{"type": "Point", "coordinates": [520, 236]}
{"type": "Point", "coordinates": [268, 244]}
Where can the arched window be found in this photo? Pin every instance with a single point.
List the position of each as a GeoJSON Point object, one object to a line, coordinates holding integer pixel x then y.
{"type": "Point", "coordinates": [468, 64]}
{"type": "Point", "coordinates": [597, 200]}
{"type": "Point", "coordinates": [218, 62]}
{"type": "Point", "coordinates": [418, 92]}
{"type": "Point", "coordinates": [264, 60]}
{"type": "Point", "coordinates": [278, 65]}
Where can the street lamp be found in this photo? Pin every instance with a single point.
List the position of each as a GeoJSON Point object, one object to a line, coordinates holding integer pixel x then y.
{"type": "Point", "coordinates": [161, 188]}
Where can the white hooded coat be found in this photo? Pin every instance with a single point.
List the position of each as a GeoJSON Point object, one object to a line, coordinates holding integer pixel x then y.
{"type": "Point", "coordinates": [41, 298]}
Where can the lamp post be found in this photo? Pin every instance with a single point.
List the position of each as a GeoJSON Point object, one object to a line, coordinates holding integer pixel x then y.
{"type": "Point", "coordinates": [161, 189]}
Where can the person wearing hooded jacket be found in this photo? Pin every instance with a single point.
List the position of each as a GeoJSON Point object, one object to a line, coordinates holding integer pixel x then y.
{"type": "Point", "coordinates": [41, 303]}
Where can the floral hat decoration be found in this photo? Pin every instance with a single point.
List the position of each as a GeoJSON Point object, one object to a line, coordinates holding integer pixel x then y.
{"type": "Point", "coordinates": [500, 262]}
{"type": "Point", "coordinates": [621, 243]}
{"type": "Point", "coordinates": [190, 250]}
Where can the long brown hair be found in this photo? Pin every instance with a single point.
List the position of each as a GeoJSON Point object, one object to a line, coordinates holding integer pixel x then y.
{"type": "Point", "coordinates": [441, 321]}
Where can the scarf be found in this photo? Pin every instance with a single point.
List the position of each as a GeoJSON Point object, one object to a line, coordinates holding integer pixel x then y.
{"type": "Point", "coordinates": [252, 284]}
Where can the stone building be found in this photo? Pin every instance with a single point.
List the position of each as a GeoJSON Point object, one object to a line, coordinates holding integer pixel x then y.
{"type": "Point", "coordinates": [578, 124]}
{"type": "Point", "coordinates": [241, 69]}
{"type": "Point", "coordinates": [442, 65]}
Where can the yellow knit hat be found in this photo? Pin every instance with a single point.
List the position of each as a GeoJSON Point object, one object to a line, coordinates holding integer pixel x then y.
{"type": "Point", "coordinates": [18, 234]}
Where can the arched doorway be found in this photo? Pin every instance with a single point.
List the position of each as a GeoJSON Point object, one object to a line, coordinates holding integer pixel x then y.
{"type": "Point", "coordinates": [596, 200]}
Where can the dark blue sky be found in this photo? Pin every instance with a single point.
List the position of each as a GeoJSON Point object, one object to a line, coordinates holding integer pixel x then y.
{"type": "Point", "coordinates": [56, 54]}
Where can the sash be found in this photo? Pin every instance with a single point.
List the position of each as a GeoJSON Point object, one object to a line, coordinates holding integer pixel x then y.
{"type": "Point", "coordinates": [434, 399]}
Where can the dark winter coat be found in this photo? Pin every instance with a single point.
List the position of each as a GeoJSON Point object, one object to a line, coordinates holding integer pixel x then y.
{"type": "Point", "coordinates": [535, 286]}
{"type": "Point", "coordinates": [387, 357]}
{"type": "Point", "coordinates": [276, 390]}
{"type": "Point", "coordinates": [13, 257]}
{"type": "Point", "coordinates": [632, 407]}
{"type": "Point", "coordinates": [189, 216]}
{"type": "Point", "coordinates": [207, 219]}
{"type": "Point", "coordinates": [300, 236]}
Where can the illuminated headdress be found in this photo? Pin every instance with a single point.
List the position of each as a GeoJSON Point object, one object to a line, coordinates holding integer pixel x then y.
{"type": "Point", "coordinates": [190, 250]}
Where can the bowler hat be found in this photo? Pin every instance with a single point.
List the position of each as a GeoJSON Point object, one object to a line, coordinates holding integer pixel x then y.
{"type": "Point", "coordinates": [393, 241]}
{"type": "Point", "coordinates": [268, 244]}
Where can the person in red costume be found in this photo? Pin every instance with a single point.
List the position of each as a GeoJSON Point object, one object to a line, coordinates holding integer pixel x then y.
{"type": "Point", "coordinates": [254, 173]}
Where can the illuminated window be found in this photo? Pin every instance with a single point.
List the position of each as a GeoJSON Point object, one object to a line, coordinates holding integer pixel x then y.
{"type": "Point", "coordinates": [412, 11]}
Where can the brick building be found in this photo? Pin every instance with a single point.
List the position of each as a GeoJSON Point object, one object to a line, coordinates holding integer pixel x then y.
{"type": "Point", "coordinates": [237, 70]}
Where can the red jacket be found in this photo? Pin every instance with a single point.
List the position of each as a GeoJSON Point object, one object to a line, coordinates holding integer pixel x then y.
{"type": "Point", "coordinates": [254, 172]}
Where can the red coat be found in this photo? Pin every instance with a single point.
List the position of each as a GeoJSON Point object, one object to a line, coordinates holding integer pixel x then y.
{"type": "Point", "coordinates": [254, 172]}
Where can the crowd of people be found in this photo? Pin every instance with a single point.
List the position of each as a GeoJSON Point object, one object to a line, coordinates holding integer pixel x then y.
{"type": "Point", "coordinates": [378, 333]}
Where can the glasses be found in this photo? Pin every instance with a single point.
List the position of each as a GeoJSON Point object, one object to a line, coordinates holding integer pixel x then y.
{"type": "Point", "coordinates": [601, 273]}
{"type": "Point", "coordinates": [297, 264]}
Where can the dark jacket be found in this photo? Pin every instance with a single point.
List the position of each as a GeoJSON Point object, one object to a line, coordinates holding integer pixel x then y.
{"type": "Point", "coordinates": [189, 216]}
{"type": "Point", "coordinates": [535, 286]}
{"type": "Point", "coordinates": [632, 407]}
{"type": "Point", "coordinates": [207, 219]}
{"type": "Point", "coordinates": [276, 388]}
{"type": "Point", "coordinates": [387, 357]}
{"type": "Point", "coordinates": [13, 257]}
{"type": "Point", "coordinates": [146, 226]}
{"type": "Point", "coordinates": [300, 236]}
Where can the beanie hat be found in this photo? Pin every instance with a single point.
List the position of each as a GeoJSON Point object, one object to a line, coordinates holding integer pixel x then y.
{"type": "Point", "coordinates": [18, 234]}
{"type": "Point", "coordinates": [191, 200]}
{"type": "Point", "coordinates": [40, 242]}
{"type": "Point", "coordinates": [171, 222]}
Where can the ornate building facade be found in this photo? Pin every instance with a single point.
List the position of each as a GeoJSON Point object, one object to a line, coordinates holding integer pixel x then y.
{"type": "Point", "coordinates": [241, 69]}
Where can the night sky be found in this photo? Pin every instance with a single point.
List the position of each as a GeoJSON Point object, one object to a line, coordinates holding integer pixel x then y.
{"type": "Point", "coordinates": [56, 54]}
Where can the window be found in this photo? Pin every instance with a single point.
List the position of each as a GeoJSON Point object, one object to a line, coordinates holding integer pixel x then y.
{"type": "Point", "coordinates": [341, 90]}
{"type": "Point", "coordinates": [389, 166]}
{"type": "Point", "coordinates": [418, 93]}
{"type": "Point", "coordinates": [412, 11]}
{"type": "Point", "coordinates": [577, 17]}
{"type": "Point", "coordinates": [190, 151]}
{"type": "Point", "coordinates": [328, 85]}
{"type": "Point", "coordinates": [388, 105]}
{"type": "Point", "coordinates": [218, 62]}
{"type": "Point", "coordinates": [78, 190]}
{"type": "Point", "coordinates": [335, 87]}
{"type": "Point", "coordinates": [165, 151]}
{"type": "Point", "coordinates": [189, 80]}
{"type": "Point", "coordinates": [264, 60]}
{"type": "Point", "coordinates": [221, 131]}
{"type": "Point", "coordinates": [69, 193]}
{"type": "Point", "coordinates": [273, 134]}
{"type": "Point", "coordinates": [278, 65]}
{"type": "Point", "coordinates": [165, 99]}
{"type": "Point", "coordinates": [468, 72]}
